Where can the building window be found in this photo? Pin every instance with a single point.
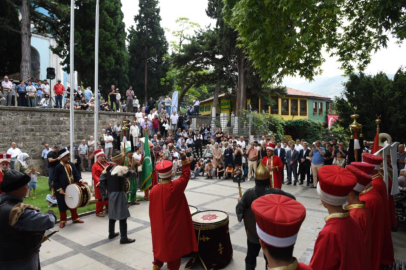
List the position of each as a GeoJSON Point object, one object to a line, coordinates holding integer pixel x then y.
{"type": "Point", "coordinates": [327, 106]}
{"type": "Point", "coordinates": [285, 106]}
{"type": "Point", "coordinates": [264, 106]}
{"type": "Point", "coordinates": [303, 107]}
{"type": "Point", "coordinates": [201, 108]}
{"type": "Point", "coordinates": [320, 108]}
{"type": "Point", "coordinates": [294, 110]}
{"type": "Point", "coordinates": [254, 104]}
{"type": "Point", "coordinates": [207, 108]}
{"type": "Point", "coordinates": [275, 106]}
{"type": "Point", "coordinates": [314, 108]}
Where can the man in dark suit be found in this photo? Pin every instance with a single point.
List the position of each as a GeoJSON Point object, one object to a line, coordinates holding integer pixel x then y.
{"type": "Point", "coordinates": [292, 157]}
{"type": "Point", "coordinates": [280, 152]}
{"type": "Point", "coordinates": [304, 164]}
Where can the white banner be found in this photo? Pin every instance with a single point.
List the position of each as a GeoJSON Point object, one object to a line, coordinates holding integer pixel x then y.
{"type": "Point", "coordinates": [174, 102]}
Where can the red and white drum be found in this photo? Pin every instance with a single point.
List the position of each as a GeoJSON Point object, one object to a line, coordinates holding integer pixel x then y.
{"type": "Point", "coordinates": [193, 210]}
{"type": "Point", "coordinates": [213, 238]}
{"type": "Point", "coordinates": [79, 195]}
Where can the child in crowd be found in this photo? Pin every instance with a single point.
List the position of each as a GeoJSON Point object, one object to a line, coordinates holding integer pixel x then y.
{"type": "Point", "coordinates": [51, 199]}
{"type": "Point", "coordinates": [229, 171]}
{"type": "Point", "coordinates": [209, 170]}
{"type": "Point", "coordinates": [245, 164]}
{"type": "Point", "coordinates": [238, 176]}
{"type": "Point", "coordinates": [220, 171]}
{"type": "Point", "coordinates": [33, 183]}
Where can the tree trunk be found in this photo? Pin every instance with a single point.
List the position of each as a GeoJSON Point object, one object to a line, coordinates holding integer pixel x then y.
{"type": "Point", "coordinates": [241, 88]}
{"type": "Point", "coordinates": [183, 93]}
{"type": "Point", "coordinates": [216, 95]}
{"type": "Point", "coordinates": [25, 67]}
{"type": "Point", "coordinates": [145, 75]}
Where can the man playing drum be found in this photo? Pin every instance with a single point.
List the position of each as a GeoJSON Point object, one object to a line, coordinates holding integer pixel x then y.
{"type": "Point", "coordinates": [274, 165]}
{"type": "Point", "coordinates": [244, 211]}
{"type": "Point", "coordinates": [113, 179]}
{"type": "Point", "coordinates": [64, 174]}
{"type": "Point", "coordinates": [173, 234]}
{"type": "Point", "coordinates": [97, 169]}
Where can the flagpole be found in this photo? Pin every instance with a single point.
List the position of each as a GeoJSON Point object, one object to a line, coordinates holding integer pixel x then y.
{"type": "Point", "coordinates": [72, 78]}
{"type": "Point", "coordinates": [96, 79]}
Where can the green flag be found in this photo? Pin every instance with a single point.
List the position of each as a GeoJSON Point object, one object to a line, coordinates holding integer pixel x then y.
{"type": "Point", "coordinates": [146, 175]}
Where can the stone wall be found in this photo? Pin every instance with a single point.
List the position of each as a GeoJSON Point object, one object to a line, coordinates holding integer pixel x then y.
{"type": "Point", "coordinates": [31, 128]}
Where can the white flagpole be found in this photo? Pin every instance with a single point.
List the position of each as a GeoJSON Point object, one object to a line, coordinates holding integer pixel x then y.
{"type": "Point", "coordinates": [72, 78]}
{"type": "Point", "coordinates": [96, 78]}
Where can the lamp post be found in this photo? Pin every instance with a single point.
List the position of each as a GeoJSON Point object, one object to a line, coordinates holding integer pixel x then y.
{"type": "Point", "coordinates": [96, 78]}
{"type": "Point", "coordinates": [72, 78]}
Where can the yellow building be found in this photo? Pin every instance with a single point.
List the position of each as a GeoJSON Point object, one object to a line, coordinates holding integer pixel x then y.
{"type": "Point", "coordinates": [294, 105]}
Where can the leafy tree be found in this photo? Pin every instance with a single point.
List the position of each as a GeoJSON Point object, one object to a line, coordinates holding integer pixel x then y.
{"type": "Point", "coordinates": [10, 50]}
{"type": "Point", "coordinates": [371, 96]}
{"type": "Point", "coordinates": [285, 38]}
{"type": "Point", "coordinates": [148, 49]}
{"type": "Point", "coordinates": [113, 56]}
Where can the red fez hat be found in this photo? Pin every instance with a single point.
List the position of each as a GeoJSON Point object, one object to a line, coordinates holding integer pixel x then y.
{"type": "Point", "coordinates": [365, 167]}
{"type": "Point", "coordinates": [372, 159]}
{"type": "Point", "coordinates": [98, 152]}
{"type": "Point", "coordinates": [164, 169]}
{"type": "Point", "coordinates": [363, 179]}
{"type": "Point", "coordinates": [278, 219]}
{"type": "Point", "coordinates": [5, 158]}
{"type": "Point", "coordinates": [270, 146]}
{"type": "Point", "coordinates": [335, 183]}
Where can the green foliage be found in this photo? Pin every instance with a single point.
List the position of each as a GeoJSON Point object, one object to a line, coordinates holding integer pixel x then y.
{"type": "Point", "coordinates": [148, 47]}
{"type": "Point", "coordinates": [307, 129]}
{"type": "Point", "coordinates": [10, 51]}
{"type": "Point", "coordinates": [265, 123]}
{"type": "Point", "coordinates": [337, 132]}
{"type": "Point", "coordinates": [286, 38]}
{"type": "Point", "coordinates": [369, 96]}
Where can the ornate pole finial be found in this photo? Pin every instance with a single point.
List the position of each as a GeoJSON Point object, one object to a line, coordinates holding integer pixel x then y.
{"type": "Point", "coordinates": [378, 121]}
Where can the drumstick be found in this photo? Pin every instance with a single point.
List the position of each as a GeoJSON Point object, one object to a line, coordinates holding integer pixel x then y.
{"type": "Point", "coordinates": [67, 195]}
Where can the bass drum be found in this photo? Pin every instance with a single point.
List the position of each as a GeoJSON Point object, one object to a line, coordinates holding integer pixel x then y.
{"type": "Point", "coordinates": [127, 185]}
{"type": "Point", "coordinates": [213, 239]}
{"type": "Point", "coordinates": [79, 195]}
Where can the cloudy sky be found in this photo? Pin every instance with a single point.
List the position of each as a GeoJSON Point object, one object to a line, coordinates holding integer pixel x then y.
{"type": "Point", "coordinates": [387, 60]}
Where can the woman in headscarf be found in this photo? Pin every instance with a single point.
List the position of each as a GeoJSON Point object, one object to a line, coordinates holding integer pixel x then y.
{"type": "Point", "coordinates": [21, 163]}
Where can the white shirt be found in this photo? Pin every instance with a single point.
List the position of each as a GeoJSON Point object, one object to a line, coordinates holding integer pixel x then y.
{"type": "Point", "coordinates": [108, 144]}
{"type": "Point", "coordinates": [44, 102]}
{"type": "Point", "coordinates": [14, 152]}
{"type": "Point", "coordinates": [196, 103]}
{"type": "Point", "coordinates": [138, 115]}
{"type": "Point", "coordinates": [45, 88]}
{"type": "Point", "coordinates": [8, 84]}
{"type": "Point", "coordinates": [174, 119]}
{"type": "Point", "coordinates": [298, 147]}
{"type": "Point", "coordinates": [137, 156]}
{"type": "Point", "coordinates": [242, 144]}
{"type": "Point", "coordinates": [150, 116]}
{"type": "Point", "coordinates": [134, 131]}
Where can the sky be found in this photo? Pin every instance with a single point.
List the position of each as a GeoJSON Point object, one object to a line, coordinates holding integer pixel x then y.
{"type": "Point", "coordinates": [386, 60]}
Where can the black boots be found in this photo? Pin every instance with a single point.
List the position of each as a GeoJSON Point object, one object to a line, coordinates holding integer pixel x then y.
{"type": "Point", "coordinates": [123, 231]}
{"type": "Point", "coordinates": [112, 224]}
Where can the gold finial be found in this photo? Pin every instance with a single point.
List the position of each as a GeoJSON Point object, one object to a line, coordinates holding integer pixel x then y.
{"type": "Point", "coordinates": [378, 121]}
{"type": "Point", "coordinates": [355, 126]}
{"type": "Point", "coordinates": [125, 127]}
{"type": "Point", "coordinates": [262, 172]}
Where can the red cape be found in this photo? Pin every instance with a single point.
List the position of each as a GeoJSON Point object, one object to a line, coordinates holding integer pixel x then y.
{"type": "Point", "coordinates": [363, 218]}
{"type": "Point", "coordinates": [339, 246]}
{"type": "Point", "coordinates": [375, 207]}
{"type": "Point", "coordinates": [388, 256]}
{"type": "Point", "coordinates": [277, 175]}
{"type": "Point", "coordinates": [303, 266]}
{"type": "Point", "coordinates": [173, 234]}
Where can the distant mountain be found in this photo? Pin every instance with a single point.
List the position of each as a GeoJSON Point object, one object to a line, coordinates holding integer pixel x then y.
{"type": "Point", "coordinates": [326, 86]}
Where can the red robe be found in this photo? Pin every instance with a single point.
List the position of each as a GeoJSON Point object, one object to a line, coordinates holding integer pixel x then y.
{"type": "Point", "coordinates": [97, 170]}
{"type": "Point", "coordinates": [374, 205]}
{"type": "Point", "coordinates": [276, 177]}
{"type": "Point", "coordinates": [340, 245]}
{"type": "Point", "coordinates": [388, 256]}
{"type": "Point", "coordinates": [173, 234]}
{"type": "Point", "coordinates": [300, 266]}
{"type": "Point", "coordinates": [363, 218]}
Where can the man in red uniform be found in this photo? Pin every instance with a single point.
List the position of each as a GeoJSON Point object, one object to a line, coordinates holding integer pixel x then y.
{"type": "Point", "coordinates": [274, 165]}
{"type": "Point", "coordinates": [359, 211]}
{"type": "Point", "coordinates": [4, 165]}
{"type": "Point", "coordinates": [173, 234]}
{"type": "Point", "coordinates": [97, 169]}
{"type": "Point", "coordinates": [278, 222]}
{"type": "Point", "coordinates": [340, 244]}
{"type": "Point", "coordinates": [375, 207]}
{"type": "Point", "coordinates": [388, 256]}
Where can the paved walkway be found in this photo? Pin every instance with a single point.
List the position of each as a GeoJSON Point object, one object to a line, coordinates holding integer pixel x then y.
{"type": "Point", "coordinates": [85, 246]}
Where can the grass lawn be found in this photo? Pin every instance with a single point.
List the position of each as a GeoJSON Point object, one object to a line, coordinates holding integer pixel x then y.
{"type": "Point", "coordinates": [42, 203]}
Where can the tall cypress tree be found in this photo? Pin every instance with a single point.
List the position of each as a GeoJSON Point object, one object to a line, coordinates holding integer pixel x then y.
{"type": "Point", "coordinates": [147, 49]}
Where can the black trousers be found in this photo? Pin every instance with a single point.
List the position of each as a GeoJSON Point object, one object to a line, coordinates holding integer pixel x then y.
{"type": "Point", "coordinates": [304, 170]}
{"type": "Point", "coordinates": [123, 227]}
{"type": "Point", "coordinates": [252, 254]}
{"type": "Point", "coordinates": [198, 148]}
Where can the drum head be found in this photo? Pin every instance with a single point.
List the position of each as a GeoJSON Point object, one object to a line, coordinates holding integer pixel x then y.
{"type": "Point", "coordinates": [192, 209]}
{"type": "Point", "coordinates": [74, 192]}
{"type": "Point", "coordinates": [209, 217]}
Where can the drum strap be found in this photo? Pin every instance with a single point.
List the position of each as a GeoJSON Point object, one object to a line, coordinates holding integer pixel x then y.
{"type": "Point", "coordinates": [68, 171]}
{"type": "Point", "coordinates": [271, 172]}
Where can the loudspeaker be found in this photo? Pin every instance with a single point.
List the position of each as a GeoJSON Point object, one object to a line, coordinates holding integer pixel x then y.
{"type": "Point", "coordinates": [50, 73]}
